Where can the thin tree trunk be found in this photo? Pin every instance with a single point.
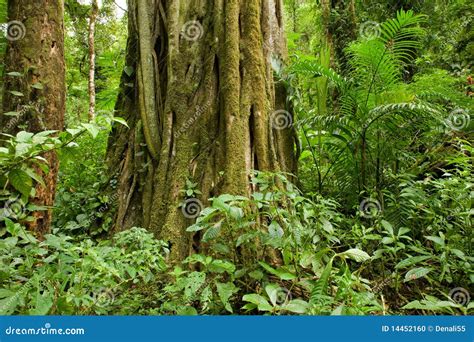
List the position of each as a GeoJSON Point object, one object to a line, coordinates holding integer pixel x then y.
{"type": "Point", "coordinates": [39, 57]}
{"type": "Point", "coordinates": [340, 29]}
{"type": "Point", "coordinates": [201, 107]}
{"type": "Point", "coordinates": [92, 21]}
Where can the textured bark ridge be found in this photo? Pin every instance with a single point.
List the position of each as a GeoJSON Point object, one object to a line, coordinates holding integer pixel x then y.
{"type": "Point", "coordinates": [199, 96]}
{"type": "Point", "coordinates": [36, 50]}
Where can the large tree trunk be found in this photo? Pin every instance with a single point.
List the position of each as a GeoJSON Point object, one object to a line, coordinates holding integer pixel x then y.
{"type": "Point", "coordinates": [200, 103]}
{"type": "Point", "coordinates": [36, 50]}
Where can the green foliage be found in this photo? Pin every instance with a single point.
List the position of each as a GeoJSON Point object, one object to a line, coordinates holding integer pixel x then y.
{"type": "Point", "coordinates": [62, 276]}
{"type": "Point", "coordinates": [22, 163]}
{"type": "Point", "coordinates": [374, 126]}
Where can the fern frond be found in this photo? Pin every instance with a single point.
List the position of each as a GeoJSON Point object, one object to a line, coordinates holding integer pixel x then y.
{"type": "Point", "coordinates": [402, 35]}
{"type": "Point", "coordinates": [320, 288]}
{"type": "Point", "coordinates": [312, 68]}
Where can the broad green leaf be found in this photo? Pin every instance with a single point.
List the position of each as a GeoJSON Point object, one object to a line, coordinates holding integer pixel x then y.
{"type": "Point", "coordinates": [236, 213]}
{"type": "Point", "coordinates": [412, 261]}
{"type": "Point", "coordinates": [437, 240]}
{"type": "Point", "coordinates": [43, 303]}
{"type": "Point", "coordinates": [128, 70]}
{"type": "Point", "coordinates": [212, 232]}
{"type": "Point", "coordinates": [281, 272]}
{"type": "Point", "coordinates": [186, 311]}
{"type": "Point", "coordinates": [221, 266]}
{"type": "Point", "coordinates": [261, 303]}
{"type": "Point", "coordinates": [275, 230]}
{"type": "Point", "coordinates": [327, 226]}
{"type": "Point", "coordinates": [355, 254]}
{"type": "Point", "coordinates": [388, 227]}
{"type": "Point", "coordinates": [416, 273]}
{"type": "Point", "coordinates": [24, 136]}
{"type": "Point", "coordinates": [37, 86]}
{"type": "Point", "coordinates": [120, 121]}
{"type": "Point", "coordinates": [225, 291]}
{"type": "Point", "coordinates": [430, 305]}
{"type": "Point", "coordinates": [305, 154]}
{"type": "Point", "coordinates": [195, 228]}
{"type": "Point", "coordinates": [92, 129]}
{"type": "Point", "coordinates": [35, 176]}
{"type": "Point", "coordinates": [272, 292]}
{"type": "Point", "coordinates": [298, 306]}
{"type": "Point", "coordinates": [21, 181]}
{"type": "Point", "coordinates": [15, 74]}
{"type": "Point", "coordinates": [73, 131]}
{"type": "Point", "coordinates": [16, 93]}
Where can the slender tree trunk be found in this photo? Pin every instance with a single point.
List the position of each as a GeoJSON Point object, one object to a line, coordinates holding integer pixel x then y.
{"type": "Point", "coordinates": [201, 105]}
{"type": "Point", "coordinates": [92, 20]}
{"type": "Point", "coordinates": [340, 29]}
{"type": "Point", "coordinates": [38, 54]}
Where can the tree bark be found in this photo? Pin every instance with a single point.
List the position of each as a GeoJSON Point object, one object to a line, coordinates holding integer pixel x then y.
{"type": "Point", "coordinates": [340, 29]}
{"type": "Point", "coordinates": [200, 98]}
{"type": "Point", "coordinates": [38, 54]}
{"type": "Point", "coordinates": [92, 20]}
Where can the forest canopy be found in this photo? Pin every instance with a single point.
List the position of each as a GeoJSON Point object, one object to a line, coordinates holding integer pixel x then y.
{"type": "Point", "coordinates": [282, 157]}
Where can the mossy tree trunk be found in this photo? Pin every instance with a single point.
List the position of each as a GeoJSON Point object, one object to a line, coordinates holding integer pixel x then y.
{"type": "Point", "coordinates": [340, 26]}
{"type": "Point", "coordinates": [200, 97]}
{"type": "Point", "coordinates": [36, 51]}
